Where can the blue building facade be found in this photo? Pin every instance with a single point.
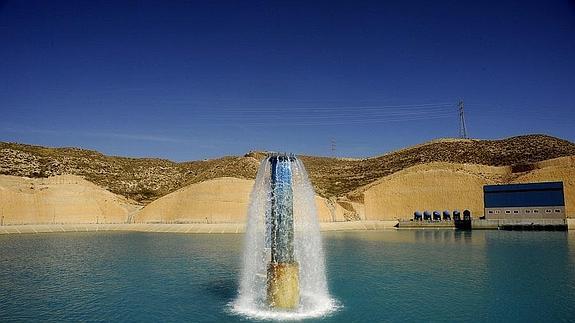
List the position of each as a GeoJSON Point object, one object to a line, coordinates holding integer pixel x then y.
{"type": "Point", "coordinates": [524, 201]}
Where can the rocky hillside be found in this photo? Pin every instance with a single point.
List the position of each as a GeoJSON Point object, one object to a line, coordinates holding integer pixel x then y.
{"type": "Point", "coordinates": [144, 179]}
{"type": "Point", "coordinates": [335, 177]}
{"type": "Point", "coordinates": [141, 179]}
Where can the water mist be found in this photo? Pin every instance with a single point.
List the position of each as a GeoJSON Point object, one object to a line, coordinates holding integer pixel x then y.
{"type": "Point", "coordinates": [283, 273]}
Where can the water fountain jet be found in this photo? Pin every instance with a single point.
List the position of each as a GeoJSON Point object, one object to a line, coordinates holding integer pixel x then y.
{"type": "Point", "coordinates": [283, 274]}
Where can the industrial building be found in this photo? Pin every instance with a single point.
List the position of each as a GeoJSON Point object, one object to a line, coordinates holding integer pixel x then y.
{"type": "Point", "coordinates": [524, 201]}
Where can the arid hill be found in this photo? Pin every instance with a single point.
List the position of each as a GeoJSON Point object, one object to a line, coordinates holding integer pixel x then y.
{"type": "Point", "coordinates": [336, 177]}
{"type": "Point", "coordinates": [145, 179]}
{"type": "Point", "coordinates": [141, 179]}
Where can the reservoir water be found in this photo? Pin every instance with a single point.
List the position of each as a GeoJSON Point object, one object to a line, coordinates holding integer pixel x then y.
{"type": "Point", "coordinates": [375, 276]}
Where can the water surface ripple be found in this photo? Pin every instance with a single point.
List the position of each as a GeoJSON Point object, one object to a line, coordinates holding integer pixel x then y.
{"type": "Point", "coordinates": [378, 276]}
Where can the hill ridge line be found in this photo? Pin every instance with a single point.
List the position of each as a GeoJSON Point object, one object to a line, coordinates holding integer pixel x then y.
{"type": "Point", "coordinates": [146, 179]}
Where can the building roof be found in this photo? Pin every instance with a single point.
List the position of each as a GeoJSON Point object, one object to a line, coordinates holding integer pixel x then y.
{"type": "Point", "coordinates": [524, 195]}
{"type": "Point", "coordinates": [524, 187]}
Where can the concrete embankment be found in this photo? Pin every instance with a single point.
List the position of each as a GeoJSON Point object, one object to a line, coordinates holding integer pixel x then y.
{"type": "Point", "coordinates": [60, 199]}
{"type": "Point", "coordinates": [451, 186]}
{"type": "Point", "coordinates": [479, 224]}
{"type": "Point", "coordinates": [71, 199]}
{"type": "Point", "coordinates": [223, 199]}
{"type": "Point", "coordinates": [191, 228]}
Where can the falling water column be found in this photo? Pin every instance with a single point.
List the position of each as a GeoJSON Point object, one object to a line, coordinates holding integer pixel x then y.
{"type": "Point", "coordinates": [283, 270]}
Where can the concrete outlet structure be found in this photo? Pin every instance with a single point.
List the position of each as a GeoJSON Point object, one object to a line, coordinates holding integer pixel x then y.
{"type": "Point", "coordinates": [283, 270]}
{"type": "Point", "coordinates": [283, 285]}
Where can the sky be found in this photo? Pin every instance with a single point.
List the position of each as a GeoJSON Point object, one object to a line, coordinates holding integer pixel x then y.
{"type": "Point", "coordinates": [187, 80]}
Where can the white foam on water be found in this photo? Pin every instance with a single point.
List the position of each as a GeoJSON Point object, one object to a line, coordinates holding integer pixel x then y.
{"type": "Point", "coordinates": [311, 306]}
{"type": "Point", "coordinates": [315, 300]}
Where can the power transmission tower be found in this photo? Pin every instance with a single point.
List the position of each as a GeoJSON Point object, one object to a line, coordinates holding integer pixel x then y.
{"type": "Point", "coordinates": [462, 128]}
{"type": "Point", "coordinates": [332, 147]}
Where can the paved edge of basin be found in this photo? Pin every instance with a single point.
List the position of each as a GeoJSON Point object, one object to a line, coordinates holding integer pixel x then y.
{"type": "Point", "coordinates": [187, 228]}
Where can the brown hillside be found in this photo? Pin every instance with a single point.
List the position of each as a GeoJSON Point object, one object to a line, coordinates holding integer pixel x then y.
{"type": "Point", "coordinates": [336, 177]}
{"type": "Point", "coordinates": [141, 179]}
{"type": "Point", "coordinates": [145, 179]}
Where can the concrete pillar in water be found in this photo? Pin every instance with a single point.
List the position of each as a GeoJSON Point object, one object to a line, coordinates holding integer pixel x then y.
{"type": "Point", "coordinates": [283, 270]}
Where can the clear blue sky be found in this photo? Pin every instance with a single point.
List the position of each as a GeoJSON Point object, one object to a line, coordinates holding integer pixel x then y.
{"type": "Point", "coordinates": [199, 79]}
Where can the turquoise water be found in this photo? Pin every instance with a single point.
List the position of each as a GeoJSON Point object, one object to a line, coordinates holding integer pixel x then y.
{"type": "Point", "coordinates": [377, 276]}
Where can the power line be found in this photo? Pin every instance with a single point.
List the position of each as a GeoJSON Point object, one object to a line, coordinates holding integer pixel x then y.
{"type": "Point", "coordinates": [326, 117]}
{"type": "Point", "coordinates": [260, 108]}
{"type": "Point", "coordinates": [325, 114]}
{"type": "Point", "coordinates": [335, 122]}
{"type": "Point", "coordinates": [322, 115]}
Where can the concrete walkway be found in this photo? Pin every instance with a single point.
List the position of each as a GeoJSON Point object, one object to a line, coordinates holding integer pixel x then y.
{"type": "Point", "coordinates": [181, 228]}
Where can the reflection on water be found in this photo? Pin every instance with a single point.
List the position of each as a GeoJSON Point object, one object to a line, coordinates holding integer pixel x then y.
{"type": "Point", "coordinates": [413, 236]}
{"type": "Point", "coordinates": [439, 236]}
{"type": "Point", "coordinates": [395, 275]}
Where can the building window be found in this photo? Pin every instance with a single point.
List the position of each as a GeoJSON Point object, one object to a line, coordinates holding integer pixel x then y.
{"type": "Point", "coordinates": [535, 211]}
{"type": "Point", "coordinates": [547, 211]}
{"type": "Point", "coordinates": [557, 211]}
{"type": "Point", "coordinates": [527, 211]}
{"type": "Point", "coordinates": [497, 211]}
{"type": "Point", "coordinates": [515, 211]}
{"type": "Point", "coordinates": [490, 212]}
{"type": "Point", "coordinates": [507, 212]}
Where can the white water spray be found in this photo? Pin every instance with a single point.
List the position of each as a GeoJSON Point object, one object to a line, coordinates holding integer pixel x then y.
{"type": "Point", "coordinates": [314, 296]}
